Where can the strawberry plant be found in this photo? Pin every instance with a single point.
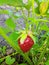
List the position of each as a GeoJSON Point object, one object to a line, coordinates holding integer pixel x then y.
{"type": "Point", "coordinates": [32, 42]}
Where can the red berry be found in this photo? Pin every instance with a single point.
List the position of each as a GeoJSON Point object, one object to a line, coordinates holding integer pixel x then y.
{"type": "Point", "coordinates": [27, 44]}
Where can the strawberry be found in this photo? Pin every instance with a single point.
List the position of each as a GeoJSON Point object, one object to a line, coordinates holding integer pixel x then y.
{"type": "Point", "coordinates": [26, 44]}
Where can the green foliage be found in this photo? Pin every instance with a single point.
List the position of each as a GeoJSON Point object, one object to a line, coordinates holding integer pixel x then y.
{"type": "Point", "coordinates": [45, 27]}
{"type": "Point", "coordinates": [11, 2]}
{"type": "Point", "coordinates": [47, 63]}
{"type": "Point", "coordinates": [28, 5]}
{"type": "Point", "coordinates": [37, 10]}
{"type": "Point", "coordinates": [9, 60]}
{"type": "Point", "coordinates": [10, 23]}
{"type": "Point", "coordinates": [3, 49]}
{"type": "Point", "coordinates": [14, 35]}
{"type": "Point", "coordinates": [33, 23]}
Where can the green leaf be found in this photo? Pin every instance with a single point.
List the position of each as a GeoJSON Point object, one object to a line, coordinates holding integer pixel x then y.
{"type": "Point", "coordinates": [33, 21]}
{"type": "Point", "coordinates": [28, 6]}
{"type": "Point", "coordinates": [47, 63]}
{"type": "Point", "coordinates": [35, 39]}
{"type": "Point", "coordinates": [14, 35]}
{"type": "Point", "coordinates": [10, 23]}
{"type": "Point", "coordinates": [34, 49]}
{"type": "Point", "coordinates": [44, 27]}
{"type": "Point", "coordinates": [36, 46]}
{"type": "Point", "coordinates": [9, 60]}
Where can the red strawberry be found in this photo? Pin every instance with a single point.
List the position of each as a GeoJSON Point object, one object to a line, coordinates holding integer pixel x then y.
{"type": "Point", "coordinates": [27, 43]}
